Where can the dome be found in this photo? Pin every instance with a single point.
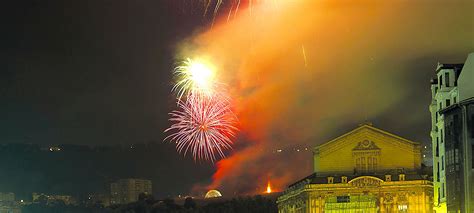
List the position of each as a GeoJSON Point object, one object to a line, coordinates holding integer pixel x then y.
{"type": "Point", "coordinates": [213, 193]}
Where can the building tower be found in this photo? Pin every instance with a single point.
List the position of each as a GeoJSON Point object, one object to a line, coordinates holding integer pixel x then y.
{"type": "Point", "coordinates": [444, 92]}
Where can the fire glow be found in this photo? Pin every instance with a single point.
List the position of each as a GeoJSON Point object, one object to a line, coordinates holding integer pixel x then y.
{"type": "Point", "coordinates": [269, 188]}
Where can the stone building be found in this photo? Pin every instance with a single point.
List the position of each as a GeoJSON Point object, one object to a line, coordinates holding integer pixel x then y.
{"type": "Point", "coordinates": [128, 190]}
{"type": "Point", "coordinates": [452, 136]}
{"type": "Point", "coordinates": [444, 93]}
{"type": "Point", "coordinates": [458, 164]}
{"type": "Point", "coordinates": [364, 170]}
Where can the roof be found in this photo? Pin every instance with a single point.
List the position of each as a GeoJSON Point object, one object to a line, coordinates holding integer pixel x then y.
{"type": "Point", "coordinates": [457, 67]}
{"type": "Point", "coordinates": [456, 105]}
{"type": "Point", "coordinates": [370, 127]}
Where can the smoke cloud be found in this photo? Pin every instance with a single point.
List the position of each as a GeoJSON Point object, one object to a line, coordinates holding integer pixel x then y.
{"type": "Point", "coordinates": [301, 72]}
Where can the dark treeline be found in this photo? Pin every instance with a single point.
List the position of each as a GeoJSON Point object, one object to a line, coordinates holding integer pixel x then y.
{"type": "Point", "coordinates": [80, 170]}
{"type": "Point", "coordinates": [257, 204]}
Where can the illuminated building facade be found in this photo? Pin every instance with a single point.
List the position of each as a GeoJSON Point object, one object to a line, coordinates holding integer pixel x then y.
{"type": "Point", "coordinates": [127, 190]}
{"type": "Point", "coordinates": [452, 133]}
{"type": "Point", "coordinates": [459, 144]}
{"type": "Point", "coordinates": [444, 93]}
{"type": "Point", "coordinates": [365, 170]}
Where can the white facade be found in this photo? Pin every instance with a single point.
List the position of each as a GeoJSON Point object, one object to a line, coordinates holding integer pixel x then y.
{"type": "Point", "coordinates": [466, 79]}
{"type": "Point", "coordinates": [444, 93]}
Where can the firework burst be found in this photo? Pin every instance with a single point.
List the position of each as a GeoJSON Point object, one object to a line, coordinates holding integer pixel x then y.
{"type": "Point", "coordinates": [194, 77]}
{"type": "Point", "coordinates": [203, 127]}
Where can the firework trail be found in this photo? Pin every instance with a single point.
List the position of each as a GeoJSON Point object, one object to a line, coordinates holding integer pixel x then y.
{"type": "Point", "coordinates": [216, 9]}
{"type": "Point", "coordinates": [304, 55]}
{"type": "Point", "coordinates": [204, 127]}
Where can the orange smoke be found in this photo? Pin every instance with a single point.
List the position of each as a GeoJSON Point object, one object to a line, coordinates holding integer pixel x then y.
{"type": "Point", "coordinates": [357, 64]}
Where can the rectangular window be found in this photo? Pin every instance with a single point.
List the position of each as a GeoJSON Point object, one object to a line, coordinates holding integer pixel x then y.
{"type": "Point", "coordinates": [362, 164]}
{"type": "Point", "coordinates": [437, 173]}
{"type": "Point", "coordinates": [343, 199]}
{"type": "Point", "coordinates": [369, 164]}
{"type": "Point", "coordinates": [442, 163]}
{"type": "Point", "coordinates": [440, 105]}
{"type": "Point", "coordinates": [440, 81]}
{"type": "Point", "coordinates": [437, 147]}
{"type": "Point", "coordinates": [439, 196]}
{"type": "Point", "coordinates": [446, 79]}
{"type": "Point", "coordinates": [456, 156]}
{"type": "Point", "coordinates": [443, 190]}
{"type": "Point", "coordinates": [448, 102]}
{"type": "Point", "coordinates": [455, 100]}
{"type": "Point", "coordinates": [472, 126]}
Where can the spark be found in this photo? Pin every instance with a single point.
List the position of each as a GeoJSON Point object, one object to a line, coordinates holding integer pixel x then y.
{"type": "Point", "coordinates": [237, 8]}
{"type": "Point", "coordinates": [207, 7]}
{"type": "Point", "coordinates": [216, 9]}
{"type": "Point", "coordinates": [204, 127]}
{"type": "Point", "coordinates": [304, 55]}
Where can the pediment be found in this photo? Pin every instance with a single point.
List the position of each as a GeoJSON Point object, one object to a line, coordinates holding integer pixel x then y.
{"type": "Point", "coordinates": [362, 138]}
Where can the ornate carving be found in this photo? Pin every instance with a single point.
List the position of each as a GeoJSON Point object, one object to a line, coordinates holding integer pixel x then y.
{"type": "Point", "coordinates": [366, 145]}
{"type": "Point", "coordinates": [388, 198]}
{"type": "Point", "coordinates": [366, 181]}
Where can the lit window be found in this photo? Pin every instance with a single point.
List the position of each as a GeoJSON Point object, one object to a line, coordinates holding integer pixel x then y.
{"type": "Point", "coordinates": [403, 207]}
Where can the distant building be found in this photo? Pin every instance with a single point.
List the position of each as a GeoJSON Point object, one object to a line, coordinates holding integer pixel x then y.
{"type": "Point", "coordinates": [127, 190]}
{"type": "Point", "coordinates": [10, 209]}
{"type": "Point", "coordinates": [366, 170]}
{"type": "Point", "coordinates": [8, 204]}
{"type": "Point", "coordinates": [99, 199]}
{"type": "Point", "coordinates": [7, 197]}
{"type": "Point", "coordinates": [52, 199]}
{"type": "Point", "coordinates": [458, 163]}
{"type": "Point", "coordinates": [452, 90]}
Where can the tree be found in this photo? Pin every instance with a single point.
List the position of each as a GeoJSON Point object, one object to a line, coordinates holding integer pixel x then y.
{"type": "Point", "coordinates": [189, 203]}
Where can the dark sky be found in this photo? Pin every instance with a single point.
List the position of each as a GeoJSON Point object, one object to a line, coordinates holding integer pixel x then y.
{"type": "Point", "coordinates": [88, 72]}
{"type": "Point", "coordinates": [98, 72]}
{"type": "Point", "coordinates": [94, 73]}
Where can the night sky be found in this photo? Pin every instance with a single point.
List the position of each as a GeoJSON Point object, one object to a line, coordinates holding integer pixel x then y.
{"type": "Point", "coordinates": [99, 72]}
